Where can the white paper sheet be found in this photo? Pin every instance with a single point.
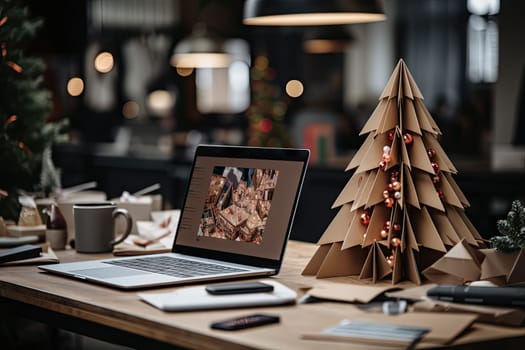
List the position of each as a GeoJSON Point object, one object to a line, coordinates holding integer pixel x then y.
{"type": "Point", "coordinates": [196, 298]}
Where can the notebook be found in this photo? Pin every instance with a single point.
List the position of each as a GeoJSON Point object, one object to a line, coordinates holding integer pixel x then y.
{"type": "Point", "coordinates": [235, 222]}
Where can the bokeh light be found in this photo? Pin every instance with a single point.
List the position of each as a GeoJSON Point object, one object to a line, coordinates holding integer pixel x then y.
{"type": "Point", "coordinates": [294, 88]}
{"type": "Point", "coordinates": [130, 110]}
{"type": "Point", "coordinates": [104, 62]}
{"type": "Point", "coordinates": [75, 86]}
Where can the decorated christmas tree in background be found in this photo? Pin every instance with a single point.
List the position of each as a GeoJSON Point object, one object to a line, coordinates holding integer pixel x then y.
{"type": "Point", "coordinates": [24, 107]}
{"type": "Point", "coordinates": [401, 210]}
{"type": "Point", "coordinates": [266, 115]}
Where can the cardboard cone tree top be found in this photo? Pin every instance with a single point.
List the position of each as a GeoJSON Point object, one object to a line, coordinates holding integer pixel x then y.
{"type": "Point", "coordinates": [401, 210]}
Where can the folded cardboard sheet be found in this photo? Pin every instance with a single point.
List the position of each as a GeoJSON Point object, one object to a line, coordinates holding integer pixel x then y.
{"type": "Point", "coordinates": [348, 292]}
{"type": "Point", "coordinates": [443, 328]}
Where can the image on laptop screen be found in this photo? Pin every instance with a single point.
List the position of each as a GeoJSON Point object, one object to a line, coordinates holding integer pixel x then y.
{"type": "Point", "coordinates": [238, 203]}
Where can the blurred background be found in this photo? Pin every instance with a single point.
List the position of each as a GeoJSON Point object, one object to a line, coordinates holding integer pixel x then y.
{"type": "Point", "coordinates": [136, 110]}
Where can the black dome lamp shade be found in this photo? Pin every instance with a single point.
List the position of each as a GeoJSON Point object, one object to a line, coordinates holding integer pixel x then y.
{"type": "Point", "coordinates": [311, 12]}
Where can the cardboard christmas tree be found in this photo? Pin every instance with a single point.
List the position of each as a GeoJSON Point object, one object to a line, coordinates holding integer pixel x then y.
{"type": "Point", "coordinates": [401, 210]}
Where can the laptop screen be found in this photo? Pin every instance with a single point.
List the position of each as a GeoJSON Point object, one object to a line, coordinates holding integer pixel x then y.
{"type": "Point", "coordinates": [240, 202]}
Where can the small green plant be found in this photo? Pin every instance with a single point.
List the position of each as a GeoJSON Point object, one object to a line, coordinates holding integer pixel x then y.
{"type": "Point", "coordinates": [512, 230]}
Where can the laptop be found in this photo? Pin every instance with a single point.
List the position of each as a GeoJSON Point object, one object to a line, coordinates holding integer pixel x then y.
{"type": "Point", "coordinates": [235, 222]}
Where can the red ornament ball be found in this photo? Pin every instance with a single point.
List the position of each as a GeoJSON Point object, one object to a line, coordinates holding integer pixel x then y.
{"type": "Point", "coordinates": [391, 135]}
{"type": "Point", "coordinates": [408, 138]}
{"type": "Point", "coordinates": [397, 227]}
{"type": "Point", "coordinates": [396, 185]}
{"type": "Point", "coordinates": [435, 166]}
{"type": "Point", "coordinates": [389, 202]}
{"type": "Point", "coordinates": [365, 219]}
{"type": "Point", "coordinates": [436, 179]}
{"type": "Point", "coordinates": [395, 242]}
{"type": "Point", "coordinates": [431, 152]}
{"type": "Point", "coordinates": [386, 194]}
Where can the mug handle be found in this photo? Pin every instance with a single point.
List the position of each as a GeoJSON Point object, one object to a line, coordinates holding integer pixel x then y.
{"type": "Point", "coordinates": [129, 225]}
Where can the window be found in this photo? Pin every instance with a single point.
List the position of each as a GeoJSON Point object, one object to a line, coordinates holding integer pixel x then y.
{"type": "Point", "coordinates": [482, 41]}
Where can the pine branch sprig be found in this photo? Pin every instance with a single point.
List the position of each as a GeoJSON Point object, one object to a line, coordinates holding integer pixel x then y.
{"type": "Point", "coordinates": [503, 244]}
{"type": "Point", "coordinates": [512, 230]}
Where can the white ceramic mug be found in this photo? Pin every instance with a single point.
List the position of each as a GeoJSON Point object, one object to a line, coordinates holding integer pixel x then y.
{"type": "Point", "coordinates": [95, 226]}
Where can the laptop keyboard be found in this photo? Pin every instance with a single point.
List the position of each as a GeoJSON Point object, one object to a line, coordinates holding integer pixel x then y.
{"type": "Point", "coordinates": [171, 266]}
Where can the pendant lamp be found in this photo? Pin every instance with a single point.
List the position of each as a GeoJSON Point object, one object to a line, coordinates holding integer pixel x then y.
{"type": "Point", "coordinates": [204, 49]}
{"type": "Point", "coordinates": [311, 12]}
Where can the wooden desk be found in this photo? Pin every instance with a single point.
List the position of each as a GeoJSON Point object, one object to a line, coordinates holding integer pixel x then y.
{"type": "Point", "coordinates": [120, 317]}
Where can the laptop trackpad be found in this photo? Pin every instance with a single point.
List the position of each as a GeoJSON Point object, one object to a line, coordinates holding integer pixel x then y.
{"type": "Point", "coordinates": [107, 272]}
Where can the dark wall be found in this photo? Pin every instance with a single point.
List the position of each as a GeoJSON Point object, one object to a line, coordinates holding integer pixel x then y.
{"type": "Point", "coordinates": [489, 193]}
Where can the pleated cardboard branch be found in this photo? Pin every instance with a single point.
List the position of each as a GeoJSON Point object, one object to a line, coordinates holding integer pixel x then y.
{"type": "Point", "coordinates": [426, 233]}
{"type": "Point", "coordinates": [354, 234]}
{"type": "Point", "coordinates": [408, 235]}
{"type": "Point", "coordinates": [445, 228]}
{"type": "Point", "coordinates": [356, 160]}
{"type": "Point", "coordinates": [418, 155]}
{"type": "Point", "coordinates": [377, 221]}
{"type": "Point", "coordinates": [410, 121]}
{"type": "Point", "coordinates": [374, 121]}
{"type": "Point", "coordinates": [349, 192]}
{"type": "Point", "coordinates": [425, 121]}
{"type": "Point", "coordinates": [411, 269]}
{"type": "Point", "coordinates": [375, 265]}
{"type": "Point", "coordinates": [373, 155]}
{"type": "Point", "coordinates": [364, 191]}
{"type": "Point", "coordinates": [390, 118]}
{"type": "Point", "coordinates": [336, 230]}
